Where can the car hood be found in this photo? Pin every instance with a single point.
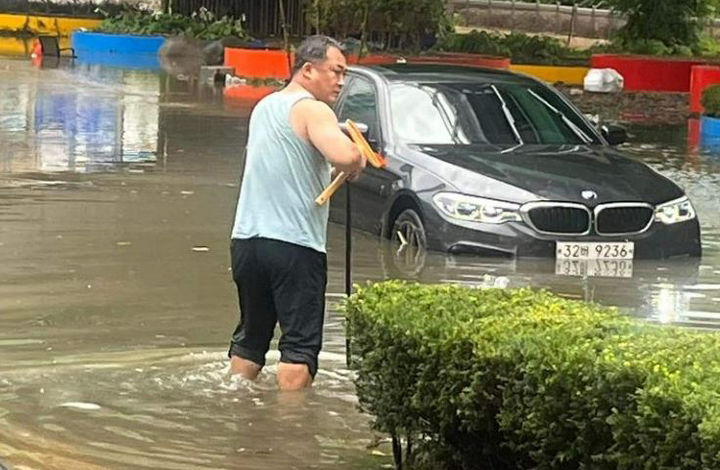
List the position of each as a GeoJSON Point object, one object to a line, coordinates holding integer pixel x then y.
{"type": "Point", "coordinates": [552, 172]}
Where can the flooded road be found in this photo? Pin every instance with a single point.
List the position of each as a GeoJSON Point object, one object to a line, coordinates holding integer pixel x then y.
{"type": "Point", "coordinates": [117, 193]}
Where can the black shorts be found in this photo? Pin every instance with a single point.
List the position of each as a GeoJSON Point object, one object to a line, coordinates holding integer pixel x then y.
{"type": "Point", "coordinates": [279, 282]}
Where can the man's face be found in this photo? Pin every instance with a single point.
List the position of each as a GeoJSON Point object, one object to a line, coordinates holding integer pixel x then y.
{"type": "Point", "coordinates": [328, 77]}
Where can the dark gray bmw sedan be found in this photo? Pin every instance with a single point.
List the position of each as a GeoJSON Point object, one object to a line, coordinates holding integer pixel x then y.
{"type": "Point", "coordinates": [499, 164]}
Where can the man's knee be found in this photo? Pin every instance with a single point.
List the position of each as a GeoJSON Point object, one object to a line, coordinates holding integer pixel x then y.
{"type": "Point", "coordinates": [293, 376]}
{"type": "Point", "coordinates": [246, 368]}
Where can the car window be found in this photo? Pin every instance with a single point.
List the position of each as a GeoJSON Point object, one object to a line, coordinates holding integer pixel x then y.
{"type": "Point", "coordinates": [360, 105]}
{"type": "Point", "coordinates": [498, 114]}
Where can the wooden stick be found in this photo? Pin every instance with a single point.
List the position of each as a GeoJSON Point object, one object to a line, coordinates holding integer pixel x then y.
{"type": "Point", "coordinates": [330, 190]}
{"type": "Point", "coordinates": [372, 158]}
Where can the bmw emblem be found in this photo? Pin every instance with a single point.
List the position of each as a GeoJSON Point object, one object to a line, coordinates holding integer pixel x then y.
{"type": "Point", "coordinates": [589, 195]}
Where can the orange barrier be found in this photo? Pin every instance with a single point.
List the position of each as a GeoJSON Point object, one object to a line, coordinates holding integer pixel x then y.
{"type": "Point", "coordinates": [259, 63]}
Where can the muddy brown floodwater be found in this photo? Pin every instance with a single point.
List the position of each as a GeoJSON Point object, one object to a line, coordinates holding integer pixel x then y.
{"type": "Point", "coordinates": [117, 193]}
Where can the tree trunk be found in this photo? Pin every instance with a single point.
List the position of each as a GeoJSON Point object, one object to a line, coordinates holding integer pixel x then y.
{"type": "Point", "coordinates": [363, 32]}
{"type": "Point", "coordinates": [286, 39]}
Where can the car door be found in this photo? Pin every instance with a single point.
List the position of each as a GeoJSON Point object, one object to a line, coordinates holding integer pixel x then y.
{"type": "Point", "coordinates": [370, 192]}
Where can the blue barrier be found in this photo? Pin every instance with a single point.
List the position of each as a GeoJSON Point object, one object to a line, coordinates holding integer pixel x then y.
{"type": "Point", "coordinates": [85, 42]}
{"type": "Point", "coordinates": [710, 126]}
{"type": "Point", "coordinates": [710, 134]}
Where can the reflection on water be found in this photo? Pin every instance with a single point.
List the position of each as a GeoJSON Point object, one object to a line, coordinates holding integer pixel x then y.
{"type": "Point", "coordinates": [682, 291]}
{"type": "Point", "coordinates": [117, 192]}
{"type": "Point", "coordinates": [50, 125]}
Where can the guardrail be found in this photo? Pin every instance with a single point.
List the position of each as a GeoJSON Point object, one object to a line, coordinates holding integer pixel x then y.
{"type": "Point", "coordinates": [545, 18]}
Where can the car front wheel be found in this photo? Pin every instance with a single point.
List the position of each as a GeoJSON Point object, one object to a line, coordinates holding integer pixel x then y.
{"type": "Point", "coordinates": [408, 238]}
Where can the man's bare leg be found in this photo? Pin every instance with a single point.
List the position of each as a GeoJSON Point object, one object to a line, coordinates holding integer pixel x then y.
{"type": "Point", "coordinates": [292, 377]}
{"type": "Point", "coordinates": [247, 369]}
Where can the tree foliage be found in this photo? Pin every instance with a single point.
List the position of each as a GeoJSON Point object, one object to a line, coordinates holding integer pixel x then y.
{"type": "Point", "coordinates": [670, 22]}
{"type": "Point", "coordinates": [391, 23]}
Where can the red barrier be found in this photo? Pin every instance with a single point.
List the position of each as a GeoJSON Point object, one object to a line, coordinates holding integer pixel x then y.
{"type": "Point", "coordinates": [693, 134]}
{"type": "Point", "coordinates": [643, 73]}
{"type": "Point", "coordinates": [702, 76]}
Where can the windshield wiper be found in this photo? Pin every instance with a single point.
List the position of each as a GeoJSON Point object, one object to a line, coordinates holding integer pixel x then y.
{"type": "Point", "coordinates": [444, 116]}
{"type": "Point", "coordinates": [573, 127]}
{"type": "Point", "coordinates": [508, 115]}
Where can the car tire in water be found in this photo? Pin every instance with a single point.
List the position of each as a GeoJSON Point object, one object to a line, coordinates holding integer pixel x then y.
{"type": "Point", "coordinates": [409, 242]}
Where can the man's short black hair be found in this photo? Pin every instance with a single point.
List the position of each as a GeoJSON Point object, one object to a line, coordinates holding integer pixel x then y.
{"type": "Point", "coordinates": [314, 49]}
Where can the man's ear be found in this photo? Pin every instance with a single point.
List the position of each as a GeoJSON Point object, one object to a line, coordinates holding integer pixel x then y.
{"type": "Point", "coordinates": [306, 69]}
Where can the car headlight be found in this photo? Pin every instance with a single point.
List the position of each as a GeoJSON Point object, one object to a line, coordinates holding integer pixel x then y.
{"type": "Point", "coordinates": [679, 210]}
{"type": "Point", "coordinates": [476, 209]}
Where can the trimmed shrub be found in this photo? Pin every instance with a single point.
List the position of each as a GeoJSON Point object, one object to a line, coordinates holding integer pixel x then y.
{"type": "Point", "coordinates": [518, 379]}
{"type": "Point", "coordinates": [522, 48]}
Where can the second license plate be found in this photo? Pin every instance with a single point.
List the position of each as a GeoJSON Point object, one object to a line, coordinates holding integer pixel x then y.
{"type": "Point", "coordinates": [595, 250]}
{"type": "Point", "coordinates": [594, 267]}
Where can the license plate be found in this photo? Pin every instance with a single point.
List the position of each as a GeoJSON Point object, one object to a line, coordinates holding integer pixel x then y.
{"type": "Point", "coordinates": [622, 268]}
{"type": "Point", "coordinates": [595, 250]}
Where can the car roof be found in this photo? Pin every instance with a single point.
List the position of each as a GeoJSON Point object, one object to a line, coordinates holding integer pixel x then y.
{"type": "Point", "coordinates": [434, 73]}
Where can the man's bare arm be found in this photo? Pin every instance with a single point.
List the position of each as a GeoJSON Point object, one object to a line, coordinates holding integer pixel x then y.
{"type": "Point", "coordinates": [321, 129]}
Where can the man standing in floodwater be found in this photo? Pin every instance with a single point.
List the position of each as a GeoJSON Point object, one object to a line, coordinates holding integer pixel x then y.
{"type": "Point", "coordinates": [278, 242]}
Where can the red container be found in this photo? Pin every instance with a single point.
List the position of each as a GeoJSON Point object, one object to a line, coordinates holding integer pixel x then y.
{"type": "Point", "coordinates": [702, 76]}
{"type": "Point", "coordinates": [643, 73]}
{"type": "Point", "coordinates": [259, 63]}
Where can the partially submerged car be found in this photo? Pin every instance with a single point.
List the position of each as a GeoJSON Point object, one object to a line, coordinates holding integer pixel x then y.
{"type": "Point", "coordinates": [499, 164]}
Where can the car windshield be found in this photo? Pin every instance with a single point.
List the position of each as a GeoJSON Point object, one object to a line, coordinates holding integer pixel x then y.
{"type": "Point", "coordinates": [499, 114]}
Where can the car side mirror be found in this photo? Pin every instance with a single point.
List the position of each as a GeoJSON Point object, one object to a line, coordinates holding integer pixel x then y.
{"type": "Point", "coordinates": [615, 135]}
{"type": "Point", "coordinates": [364, 130]}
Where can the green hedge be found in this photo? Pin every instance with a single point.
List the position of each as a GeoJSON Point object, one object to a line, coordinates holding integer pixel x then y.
{"type": "Point", "coordinates": [538, 49]}
{"type": "Point", "coordinates": [521, 48]}
{"type": "Point", "coordinates": [518, 379]}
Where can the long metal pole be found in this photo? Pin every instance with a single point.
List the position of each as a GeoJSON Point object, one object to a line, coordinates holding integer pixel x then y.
{"type": "Point", "coordinates": [348, 268]}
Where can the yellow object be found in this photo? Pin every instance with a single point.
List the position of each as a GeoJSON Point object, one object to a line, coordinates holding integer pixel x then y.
{"type": "Point", "coordinates": [50, 25]}
{"type": "Point", "coordinates": [15, 46]}
{"type": "Point", "coordinates": [373, 158]}
{"type": "Point", "coordinates": [553, 74]}
{"type": "Point", "coordinates": [23, 46]}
